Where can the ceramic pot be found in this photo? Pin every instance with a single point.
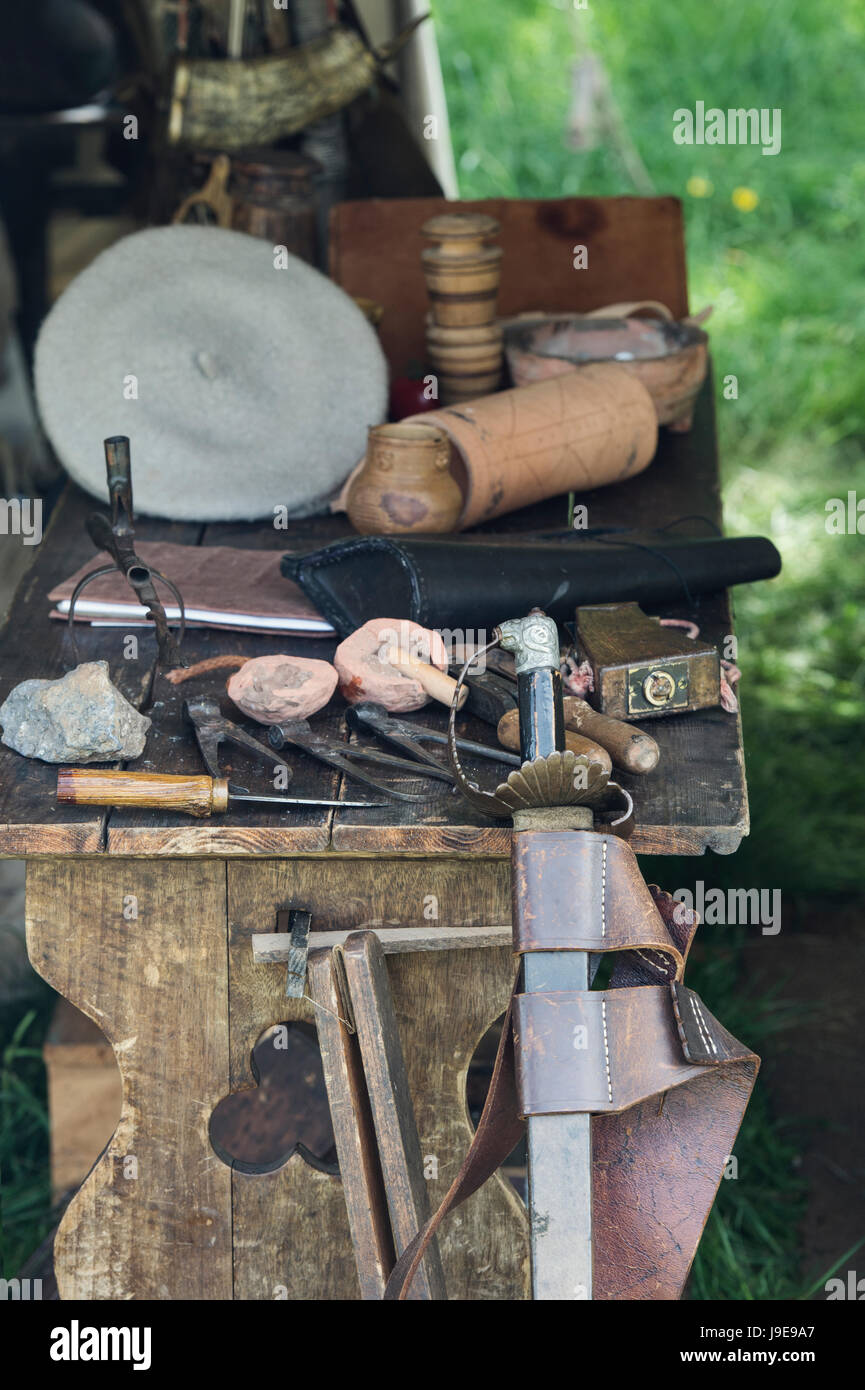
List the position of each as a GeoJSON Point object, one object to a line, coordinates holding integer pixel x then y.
{"type": "Point", "coordinates": [669, 358]}
{"type": "Point", "coordinates": [461, 270]}
{"type": "Point", "coordinates": [580, 430]}
{"type": "Point", "coordinates": [405, 484]}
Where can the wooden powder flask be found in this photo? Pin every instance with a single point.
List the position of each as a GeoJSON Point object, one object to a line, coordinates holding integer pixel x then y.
{"type": "Point", "coordinates": [467, 362]}
{"type": "Point", "coordinates": [641, 670]}
{"type": "Point", "coordinates": [405, 484]}
{"type": "Point", "coordinates": [464, 344]}
{"type": "Point", "coordinates": [462, 271]}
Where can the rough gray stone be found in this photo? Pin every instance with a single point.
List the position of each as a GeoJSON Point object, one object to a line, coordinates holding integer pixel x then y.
{"type": "Point", "coordinates": [81, 718]}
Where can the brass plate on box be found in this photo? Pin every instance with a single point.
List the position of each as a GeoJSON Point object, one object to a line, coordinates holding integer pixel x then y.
{"type": "Point", "coordinates": [660, 687]}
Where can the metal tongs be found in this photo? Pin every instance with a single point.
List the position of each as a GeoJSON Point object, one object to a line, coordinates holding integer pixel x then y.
{"type": "Point", "coordinates": [117, 537]}
{"type": "Point", "coordinates": [371, 718]}
{"type": "Point", "coordinates": [212, 728]}
{"type": "Point", "coordinates": [342, 756]}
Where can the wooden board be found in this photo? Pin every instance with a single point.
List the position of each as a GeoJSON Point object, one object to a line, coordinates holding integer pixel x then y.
{"type": "Point", "coordinates": [375, 250]}
{"type": "Point", "coordinates": [695, 800]}
{"type": "Point", "coordinates": [484, 1254]}
{"type": "Point", "coordinates": [156, 985]}
{"type": "Point", "coordinates": [402, 1164]}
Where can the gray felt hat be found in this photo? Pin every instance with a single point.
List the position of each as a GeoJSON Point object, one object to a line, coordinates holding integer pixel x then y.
{"type": "Point", "coordinates": [245, 379]}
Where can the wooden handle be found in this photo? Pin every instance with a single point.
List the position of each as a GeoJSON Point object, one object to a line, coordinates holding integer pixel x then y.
{"type": "Point", "coordinates": [197, 796]}
{"type": "Point", "coordinates": [214, 195]}
{"type": "Point", "coordinates": [437, 684]}
{"type": "Point", "coordinates": [509, 737]}
{"type": "Point", "coordinates": [629, 748]}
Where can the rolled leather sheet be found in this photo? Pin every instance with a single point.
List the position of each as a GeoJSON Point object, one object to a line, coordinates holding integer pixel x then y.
{"type": "Point", "coordinates": [478, 582]}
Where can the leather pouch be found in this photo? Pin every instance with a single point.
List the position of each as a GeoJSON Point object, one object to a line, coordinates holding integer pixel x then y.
{"type": "Point", "coordinates": [477, 582]}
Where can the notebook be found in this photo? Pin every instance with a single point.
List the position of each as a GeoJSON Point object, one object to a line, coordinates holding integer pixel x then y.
{"type": "Point", "coordinates": [222, 587]}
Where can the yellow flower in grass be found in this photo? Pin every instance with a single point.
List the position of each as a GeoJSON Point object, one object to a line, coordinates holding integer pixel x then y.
{"type": "Point", "coordinates": [745, 199]}
{"type": "Point", "coordinates": [700, 188]}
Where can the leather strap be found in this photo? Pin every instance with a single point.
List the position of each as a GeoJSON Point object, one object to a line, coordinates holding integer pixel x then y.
{"type": "Point", "coordinates": [584, 892]}
{"type": "Point", "coordinates": [604, 1050]}
{"type": "Point", "coordinates": [499, 1130]}
{"type": "Point", "coordinates": [656, 1168]}
{"type": "Point", "coordinates": [657, 1163]}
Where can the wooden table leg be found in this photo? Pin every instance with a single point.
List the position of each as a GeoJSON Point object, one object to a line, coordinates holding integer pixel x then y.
{"type": "Point", "coordinates": [142, 951]}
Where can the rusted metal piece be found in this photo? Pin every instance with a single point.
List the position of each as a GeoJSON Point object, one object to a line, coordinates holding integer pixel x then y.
{"type": "Point", "coordinates": [295, 923]}
{"type": "Point", "coordinates": [117, 537]}
{"type": "Point", "coordinates": [212, 729]}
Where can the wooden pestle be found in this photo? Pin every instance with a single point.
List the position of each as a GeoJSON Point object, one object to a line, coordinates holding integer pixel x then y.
{"type": "Point", "coordinates": [509, 737]}
{"type": "Point", "coordinates": [628, 747]}
{"type": "Point", "coordinates": [437, 684]}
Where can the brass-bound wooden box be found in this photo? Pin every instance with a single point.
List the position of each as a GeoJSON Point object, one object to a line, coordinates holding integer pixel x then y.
{"type": "Point", "coordinates": [642, 670]}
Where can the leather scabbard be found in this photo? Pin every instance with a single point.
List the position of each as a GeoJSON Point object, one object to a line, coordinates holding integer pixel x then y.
{"type": "Point", "coordinates": [664, 1081]}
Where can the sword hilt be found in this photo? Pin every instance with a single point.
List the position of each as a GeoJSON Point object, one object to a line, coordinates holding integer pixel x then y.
{"type": "Point", "coordinates": [534, 642]}
{"type": "Point", "coordinates": [551, 775]}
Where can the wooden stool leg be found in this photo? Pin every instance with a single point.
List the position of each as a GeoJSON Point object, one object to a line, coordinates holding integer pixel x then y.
{"type": "Point", "coordinates": [353, 1131]}
{"type": "Point", "coordinates": [373, 1117]}
{"type": "Point", "coordinates": [390, 1101]}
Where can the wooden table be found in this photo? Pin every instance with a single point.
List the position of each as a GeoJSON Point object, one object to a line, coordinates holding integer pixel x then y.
{"type": "Point", "coordinates": [144, 922]}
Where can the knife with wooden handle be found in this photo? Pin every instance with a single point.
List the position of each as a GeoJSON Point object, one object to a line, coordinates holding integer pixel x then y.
{"type": "Point", "coordinates": [156, 791]}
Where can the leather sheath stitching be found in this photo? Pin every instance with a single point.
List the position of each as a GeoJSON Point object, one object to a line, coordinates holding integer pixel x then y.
{"type": "Point", "coordinates": [653, 964]}
{"type": "Point", "coordinates": [604, 889]}
{"type": "Point", "coordinates": [606, 1047]}
{"type": "Point", "coordinates": [702, 1025]}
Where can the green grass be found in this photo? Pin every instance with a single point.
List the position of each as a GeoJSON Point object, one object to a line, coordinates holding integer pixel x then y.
{"type": "Point", "coordinates": [789, 319]}
{"type": "Point", "coordinates": [750, 1247]}
{"type": "Point", "coordinates": [25, 1188]}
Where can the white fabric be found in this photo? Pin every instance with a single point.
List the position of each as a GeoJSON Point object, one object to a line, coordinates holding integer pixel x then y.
{"type": "Point", "coordinates": [256, 385]}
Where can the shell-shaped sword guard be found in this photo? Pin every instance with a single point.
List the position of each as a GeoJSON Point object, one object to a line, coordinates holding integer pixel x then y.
{"type": "Point", "coordinates": [549, 780]}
